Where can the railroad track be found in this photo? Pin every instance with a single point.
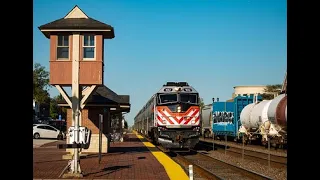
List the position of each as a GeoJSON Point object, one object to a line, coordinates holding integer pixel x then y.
{"type": "Point", "coordinates": [208, 167]}
{"type": "Point", "coordinates": [211, 168]}
{"type": "Point", "coordinates": [257, 147]}
{"type": "Point", "coordinates": [263, 158]}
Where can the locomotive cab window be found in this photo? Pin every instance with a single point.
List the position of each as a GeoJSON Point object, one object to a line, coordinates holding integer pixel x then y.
{"type": "Point", "coordinates": [189, 98]}
{"type": "Point", "coordinates": [168, 98]}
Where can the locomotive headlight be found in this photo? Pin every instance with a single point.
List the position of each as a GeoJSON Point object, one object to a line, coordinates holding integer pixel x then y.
{"type": "Point", "coordinates": [179, 109]}
{"type": "Point", "coordinates": [193, 121]}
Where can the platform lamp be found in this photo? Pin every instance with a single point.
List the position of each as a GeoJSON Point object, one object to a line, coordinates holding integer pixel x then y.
{"type": "Point", "coordinates": [212, 127]}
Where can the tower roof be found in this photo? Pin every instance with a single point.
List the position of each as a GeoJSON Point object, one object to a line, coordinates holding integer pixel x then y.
{"type": "Point", "coordinates": [77, 20]}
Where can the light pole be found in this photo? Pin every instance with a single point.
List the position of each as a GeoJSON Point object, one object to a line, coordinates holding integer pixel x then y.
{"type": "Point", "coordinates": [212, 125]}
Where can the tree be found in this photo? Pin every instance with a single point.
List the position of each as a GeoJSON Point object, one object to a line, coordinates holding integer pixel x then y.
{"type": "Point", "coordinates": [62, 110]}
{"type": "Point", "coordinates": [201, 103]}
{"type": "Point", "coordinates": [53, 108]}
{"type": "Point", "coordinates": [125, 124]}
{"type": "Point", "coordinates": [271, 91]}
{"type": "Point", "coordinates": [40, 83]}
{"type": "Point", "coordinates": [56, 110]}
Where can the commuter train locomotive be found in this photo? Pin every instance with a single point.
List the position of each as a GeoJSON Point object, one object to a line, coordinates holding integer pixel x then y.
{"type": "Point", "coordinates": [172, 116]}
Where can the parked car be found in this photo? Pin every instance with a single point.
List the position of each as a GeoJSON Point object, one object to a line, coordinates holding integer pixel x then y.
{"type": "Point", "coordinates": [59, 124]}
{"type": "Point", "coordinates": [47, 131]}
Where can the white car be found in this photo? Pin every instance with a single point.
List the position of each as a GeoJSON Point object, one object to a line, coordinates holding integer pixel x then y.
{"type": "Point", "coordinates": [46, 131]}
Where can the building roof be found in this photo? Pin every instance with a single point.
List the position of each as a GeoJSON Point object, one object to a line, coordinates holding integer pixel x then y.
{"type": "Point", "coordinates": [77, 20]}
{"type": "Point", "coordinates": [103, 96]}
{"type": "Point", "coordinates": [250, 86]}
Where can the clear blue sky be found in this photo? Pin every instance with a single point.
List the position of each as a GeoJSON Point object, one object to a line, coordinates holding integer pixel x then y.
{"type": "Point", "coordinates": [214, 45]}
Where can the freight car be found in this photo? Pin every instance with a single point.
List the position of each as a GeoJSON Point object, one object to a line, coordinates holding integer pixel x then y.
{"type": "Point", "coordinates": [226, 116]}
{"type": "Point", "coordinates": [268, 119]}
{"type": "Point", "coordinates": [206, 118]}
{"type": "Point", "coordinates": [171, 117]}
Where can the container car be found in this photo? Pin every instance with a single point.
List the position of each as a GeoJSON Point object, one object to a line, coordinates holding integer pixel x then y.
{"type": "Point", "coordinates": [226, 116]}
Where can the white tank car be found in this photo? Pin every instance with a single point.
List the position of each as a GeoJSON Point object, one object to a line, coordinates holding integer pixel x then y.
{"type": "Point", "coordinates": [206, 117]}
{"type": "Point", "coordinates": [267, 118]}
{"type": "Point", "coordinates": [286, 113]}
{"type": "Point", "coordinates": [255, 114]}
{"type": "Point", "coordinates": [277, 112]}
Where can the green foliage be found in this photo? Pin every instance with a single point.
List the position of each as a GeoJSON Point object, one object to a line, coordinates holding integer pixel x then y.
{"type": "Point", "coordinates": [55, 110]}
{"type": "Point", "coordinates": [266, 96]}
{"type": "Point", "coordinates": [273, 88]}
{"type": "Point", "coordinates": [40, 83]}
{"type": "Point", "coordinates": [201, 103]}
{"type": "Point", "coordinates": [270, 91]}
{"type": "Point", "coordinates": [125, 124]}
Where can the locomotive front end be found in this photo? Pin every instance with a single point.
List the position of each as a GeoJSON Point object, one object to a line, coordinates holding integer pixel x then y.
{"type": "Point", "coordinates": [178, 116]}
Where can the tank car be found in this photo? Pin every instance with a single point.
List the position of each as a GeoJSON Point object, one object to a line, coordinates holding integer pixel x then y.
{"type": "Point", "coordinates": [266, 119]}
{"type": "Point", "coordinates": [171, 117]}
{"type": "Point", "coordinates": [206, 118]}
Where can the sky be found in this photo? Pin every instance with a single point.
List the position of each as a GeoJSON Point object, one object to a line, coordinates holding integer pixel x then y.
{"type": "Point", "coordinates": [213, 45]}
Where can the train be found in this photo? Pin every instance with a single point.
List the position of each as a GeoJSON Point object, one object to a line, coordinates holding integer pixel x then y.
{"type": "Point", "coordinates": [206, 116]}
{"type": "Point", "coordinates": [226, 116]}
{"type": "Point", "coordinates": [171, 117]}
{"type": "Point", "coordinates": [267, 120]}
{"type": "Point", "coordinates": [248, 118]}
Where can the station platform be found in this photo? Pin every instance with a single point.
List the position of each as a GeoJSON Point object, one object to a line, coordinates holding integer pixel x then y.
{"type": "Point", "coordinates": [135, 158]}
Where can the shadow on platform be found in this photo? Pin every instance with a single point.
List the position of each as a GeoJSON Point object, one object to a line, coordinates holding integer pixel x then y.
{"type": "Point", "coordinates": [50, 161]}
{"type": "Point", "coordinates": [108, 170]}
{"type": "Point", "coordinates": [132, 149]}
{"type": "Point", "coordinates": [135, 140]}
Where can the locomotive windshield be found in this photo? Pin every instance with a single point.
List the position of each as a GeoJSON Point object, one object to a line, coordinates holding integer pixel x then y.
{"type": "Point", "coordinates": [184, 98]}
{"type": "Point", "coordinates": [168, 98]}
{"type": "Point", "coordinates": [188, 98]}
